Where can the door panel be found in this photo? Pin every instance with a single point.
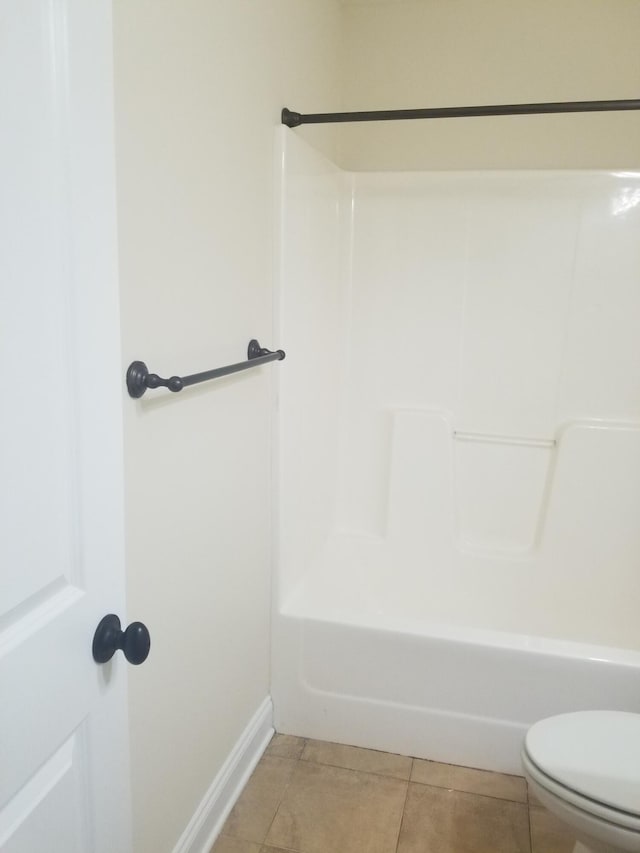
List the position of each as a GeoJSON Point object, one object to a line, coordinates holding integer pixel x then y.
{"type": "Point", "coordinates": [33, 305]}
{"type": "Point", "coordinates": [47, 806]}
{"type": "Point", "coordinates": [63, 739]}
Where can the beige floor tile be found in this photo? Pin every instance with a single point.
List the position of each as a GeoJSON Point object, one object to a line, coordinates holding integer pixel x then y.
{"type": "Point", "coordinates": [285, 746]}
{"type": "Point", "coordinates": [252, 815]}
{"type": "Point", "coordinates": [224, 844]}
{"type": "Point", "coordinates": [548, 834]}
{"type": "Point", "coordinates": [472, 781]}
{"type": "Point", "coordinates": [437, 820]}
{"type": "Point", "coordinates": [355, 758]}
{"type": "Point", "coordinates": [333, 810]}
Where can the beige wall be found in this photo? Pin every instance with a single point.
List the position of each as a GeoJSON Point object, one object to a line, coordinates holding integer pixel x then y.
{"type": "Point", "coordinates": [199, 87]}
{"type": "Point", "coordinates": [404, 53]}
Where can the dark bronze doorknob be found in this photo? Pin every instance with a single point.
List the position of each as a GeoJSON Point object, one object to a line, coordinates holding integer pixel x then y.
{"type": "Point", "coordinates": [135, 641]}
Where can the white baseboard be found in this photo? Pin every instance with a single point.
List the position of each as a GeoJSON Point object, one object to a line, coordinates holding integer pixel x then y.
{"type": "Point", "coordinates": [208, 819]}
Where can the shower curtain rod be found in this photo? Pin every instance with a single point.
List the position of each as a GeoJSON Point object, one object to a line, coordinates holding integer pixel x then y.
{"type": "Point", "coordinates": [294, 119]}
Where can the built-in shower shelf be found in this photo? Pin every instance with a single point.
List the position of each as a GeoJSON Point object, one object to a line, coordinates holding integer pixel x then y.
{"type": "Point", "coordinates": [518, 440]}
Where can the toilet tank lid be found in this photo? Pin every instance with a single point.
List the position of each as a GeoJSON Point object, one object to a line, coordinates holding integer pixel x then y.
{"type": "Point", "coordinates": [595, 753]}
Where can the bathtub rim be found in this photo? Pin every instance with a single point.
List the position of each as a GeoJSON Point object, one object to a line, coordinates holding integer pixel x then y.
{"type": "Point", "coordinates": [296, 608]}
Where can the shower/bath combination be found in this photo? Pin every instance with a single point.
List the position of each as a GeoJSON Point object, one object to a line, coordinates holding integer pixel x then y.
{"type": "Point", "coordinates": [457, 454]}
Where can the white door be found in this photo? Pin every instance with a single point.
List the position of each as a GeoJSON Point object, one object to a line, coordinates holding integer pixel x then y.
{"type": "Point", "coordinates": [64, 784]}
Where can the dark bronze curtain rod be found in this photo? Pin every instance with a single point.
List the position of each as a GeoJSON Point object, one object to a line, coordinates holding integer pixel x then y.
{"type": "Point", "coordinates": [293, 119]}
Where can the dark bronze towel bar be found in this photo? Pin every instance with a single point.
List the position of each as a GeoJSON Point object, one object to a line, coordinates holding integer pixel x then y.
{"type": "Point", "coordinates": [139, 378]}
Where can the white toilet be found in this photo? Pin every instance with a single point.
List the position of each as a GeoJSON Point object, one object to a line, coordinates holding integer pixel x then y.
{"type": "Point", "coordinates": [585, 769]}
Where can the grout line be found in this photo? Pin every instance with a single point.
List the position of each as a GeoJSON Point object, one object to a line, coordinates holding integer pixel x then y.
{"type": "Point", "coordinates": [288, 849]}
{"type": "Point", "coordinates": [356, 770]}
{"type": "Point", "coordinates": [468, 767]}
{"type": "Point", "coordinates": [404, 808]}
{"type": "Point", "coordinates": [281, 798]}
{"type": "Point", "coordinates": [471, 793]}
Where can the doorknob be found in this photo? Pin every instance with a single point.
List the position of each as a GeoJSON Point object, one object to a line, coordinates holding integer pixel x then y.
{"type": "Point", "coordinates": [135, 641]}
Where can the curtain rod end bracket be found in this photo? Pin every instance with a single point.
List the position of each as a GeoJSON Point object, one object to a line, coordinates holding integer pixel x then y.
{"type": "Point", "coordinates": [290, 119]}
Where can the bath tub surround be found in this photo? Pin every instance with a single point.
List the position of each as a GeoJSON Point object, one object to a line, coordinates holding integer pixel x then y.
{"type": "Point", "coordinates": [458, 455]}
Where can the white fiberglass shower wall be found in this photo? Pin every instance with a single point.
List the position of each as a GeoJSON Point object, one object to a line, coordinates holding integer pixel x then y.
{"type": "Point", "coordinates": [458, 454]}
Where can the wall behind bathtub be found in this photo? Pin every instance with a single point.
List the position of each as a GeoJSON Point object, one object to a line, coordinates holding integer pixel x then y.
{"type": "Point", "coordinates": [199, 88]}
{"type": "Point", "coordinates": [420, 53]}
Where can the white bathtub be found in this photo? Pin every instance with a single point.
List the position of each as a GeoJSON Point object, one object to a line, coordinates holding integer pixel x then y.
{"type": "Point", "coordinates": [360, 674]}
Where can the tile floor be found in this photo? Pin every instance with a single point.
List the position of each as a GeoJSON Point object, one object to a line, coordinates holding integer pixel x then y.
{"type": "Point", "coordinates": [309, 796]}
